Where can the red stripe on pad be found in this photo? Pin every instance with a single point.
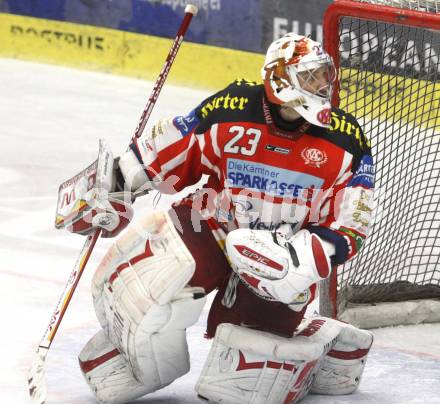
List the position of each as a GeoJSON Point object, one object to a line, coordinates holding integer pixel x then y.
{"type": "Point", "coordinates": [243, 365]}
{"type": "Point", "coordinates": [250, 280]}
{"type": "Point", "coordinates": [359, 353]}
{"type": "Point", "coordinates": [88, 366]}
{"type": "Point", "coordinates": [147, 253]}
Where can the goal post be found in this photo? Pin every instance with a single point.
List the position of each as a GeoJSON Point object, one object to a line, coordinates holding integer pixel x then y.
{"type": "Point", "coordinates": [387, 53]}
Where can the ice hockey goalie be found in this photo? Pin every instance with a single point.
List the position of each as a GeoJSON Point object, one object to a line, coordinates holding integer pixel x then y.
{"type": "Point", "coordinates": [288, 197]}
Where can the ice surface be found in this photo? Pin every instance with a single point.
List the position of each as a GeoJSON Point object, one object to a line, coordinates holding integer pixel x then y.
{"type": "Point", "coordinates": [51, 119]}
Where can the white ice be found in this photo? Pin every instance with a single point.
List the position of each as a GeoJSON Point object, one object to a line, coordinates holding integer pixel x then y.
{"type": "Point", "coordinates": [51, 119]}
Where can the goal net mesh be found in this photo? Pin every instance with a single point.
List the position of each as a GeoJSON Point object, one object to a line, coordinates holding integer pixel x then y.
{"type": "Point", "coordinates": [432, 6]}
{"type": "Point", "coordinates": [389, 80]}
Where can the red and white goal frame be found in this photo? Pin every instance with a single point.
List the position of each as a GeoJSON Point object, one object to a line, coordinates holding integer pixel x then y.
{"type": "Point", "coordinates": [387, 53]}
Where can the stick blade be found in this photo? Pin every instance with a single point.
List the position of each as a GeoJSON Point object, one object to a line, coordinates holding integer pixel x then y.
{"type": "Point", "coordinates": [36, 377]}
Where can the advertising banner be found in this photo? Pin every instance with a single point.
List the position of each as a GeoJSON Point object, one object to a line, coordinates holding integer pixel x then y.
{"type": "Point", "coordinates": [394, 49]}
{"type": "Point", "coordinates": [225, 23]}
{"type": "Point", "coordinates": [121, 52]}
{"type": "Point", "coordinates": [302, 17]}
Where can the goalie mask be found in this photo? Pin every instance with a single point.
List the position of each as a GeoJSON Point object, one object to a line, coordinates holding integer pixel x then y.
{"type": "Point", "coordinates": [299, 74]}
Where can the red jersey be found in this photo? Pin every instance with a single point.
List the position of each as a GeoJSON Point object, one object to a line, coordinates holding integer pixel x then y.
{"type": "Point", "coordinates": [262, 171]}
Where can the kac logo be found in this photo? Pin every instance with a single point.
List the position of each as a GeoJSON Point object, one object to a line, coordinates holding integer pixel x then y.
{"type": "Point", "coordinates": [314, 157]}
{"type": "Point", "coordinates": [323, 116]}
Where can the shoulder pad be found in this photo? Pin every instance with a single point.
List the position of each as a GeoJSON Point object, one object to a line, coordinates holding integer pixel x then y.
{"type": "Point", "coordinates": [345, 125]}
{"type": "Point", "coordinates": [346, 132]}
{"type": "Point", "coordinates": [239, 101]}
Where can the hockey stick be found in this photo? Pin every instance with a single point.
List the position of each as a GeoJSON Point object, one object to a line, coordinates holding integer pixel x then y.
{"type": "Point", "coordinates": [190, 11]}
{"type": "Point", "coordinates": [36, 379]}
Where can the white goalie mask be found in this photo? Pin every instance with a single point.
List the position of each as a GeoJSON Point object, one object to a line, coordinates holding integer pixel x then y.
{"type": "Point", "coordinates": [299, 74]}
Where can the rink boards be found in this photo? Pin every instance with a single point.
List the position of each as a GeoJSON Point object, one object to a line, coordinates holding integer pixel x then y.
{"type": "Point", "coordinates": [121, 52]}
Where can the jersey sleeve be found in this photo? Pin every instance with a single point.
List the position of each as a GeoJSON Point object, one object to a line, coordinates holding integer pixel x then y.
{"type": "Point", "coordinates": [345, 215]}
{"type": "Point", "coordinates": [174, 154]}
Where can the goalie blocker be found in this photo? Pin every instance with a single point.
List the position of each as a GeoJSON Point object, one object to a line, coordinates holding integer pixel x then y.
{"type": "Point", "coordinates": [88, 200]}
{"type": "Point", "coordinates": [101, 195]}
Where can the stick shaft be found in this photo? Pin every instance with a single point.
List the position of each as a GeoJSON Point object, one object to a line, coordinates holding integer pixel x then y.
{"type": "Point", "coordinates": [163, 74]}
{"type": "Point", "coordinates": [69, 289]}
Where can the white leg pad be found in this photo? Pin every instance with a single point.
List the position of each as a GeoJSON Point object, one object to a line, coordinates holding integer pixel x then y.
{"type": "Point", "coordinates": [246, 366]}
{"type": "Point", "coordinates": [142, 303]}
{"type": "Point", "coordinates": [162, 357]}
{"type": "Point", "coordinates": [107, 373]}
{"type": "Point", "coordinates": [341, 370]}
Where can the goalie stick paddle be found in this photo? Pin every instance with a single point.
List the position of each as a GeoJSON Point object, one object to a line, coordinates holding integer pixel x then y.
{"type": "Point", "coordinates": [36, 379]}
